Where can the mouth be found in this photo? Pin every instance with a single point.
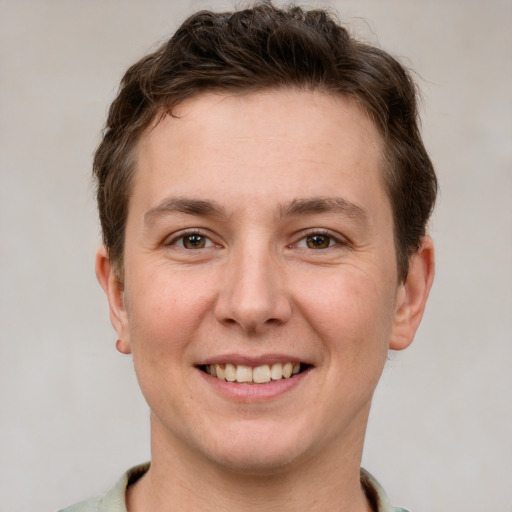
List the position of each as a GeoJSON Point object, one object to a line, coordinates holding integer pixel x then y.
{"type": "Point", "coordinates": [262, 374]}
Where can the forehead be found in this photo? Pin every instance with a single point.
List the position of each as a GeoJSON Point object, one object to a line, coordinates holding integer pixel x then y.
{"type": "Point", "coordinates": [299, 140]}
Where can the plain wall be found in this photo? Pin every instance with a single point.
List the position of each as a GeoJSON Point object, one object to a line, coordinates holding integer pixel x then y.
{"type": "Point", "coordinates": [71, 416]}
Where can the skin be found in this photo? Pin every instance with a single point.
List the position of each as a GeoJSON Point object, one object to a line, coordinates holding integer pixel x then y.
{"type": "Point", "coordinates": [256, 177]}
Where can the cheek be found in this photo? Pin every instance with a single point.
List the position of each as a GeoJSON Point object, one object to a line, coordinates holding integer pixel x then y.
{"type": "Point", "coordinates": [165, 314]}
{"type": "Point", "coordinates": [350, 310]}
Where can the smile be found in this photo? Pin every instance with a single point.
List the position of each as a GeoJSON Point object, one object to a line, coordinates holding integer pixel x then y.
{"type": "Point", "coordinates": [253, 375]}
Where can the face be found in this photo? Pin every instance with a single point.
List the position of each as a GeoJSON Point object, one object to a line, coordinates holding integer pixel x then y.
{"type": "Point", "coordinates": [260, 292]}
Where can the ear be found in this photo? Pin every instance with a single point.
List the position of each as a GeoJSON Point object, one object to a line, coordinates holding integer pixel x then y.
{"type": "Point", "coordinates": [412, 296]}
{"type": "Point", "coordinates": [114, 290]}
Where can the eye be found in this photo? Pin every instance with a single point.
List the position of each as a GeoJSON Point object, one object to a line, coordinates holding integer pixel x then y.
{"type": "Point", "coordinates": [193, 241]}
{"type": "Point", "coordinates": [317, 241]}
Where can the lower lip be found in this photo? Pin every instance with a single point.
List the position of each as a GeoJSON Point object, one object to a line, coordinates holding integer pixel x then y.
{"type": "Point", "coordinates": [246, 393]}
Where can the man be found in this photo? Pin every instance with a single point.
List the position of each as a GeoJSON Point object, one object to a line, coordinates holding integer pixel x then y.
{"type": "Point", "coordinates": [263, 192]}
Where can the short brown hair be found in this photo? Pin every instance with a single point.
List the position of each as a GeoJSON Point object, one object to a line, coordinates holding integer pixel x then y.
{"type": "Point", "coordinates": [266, 47]}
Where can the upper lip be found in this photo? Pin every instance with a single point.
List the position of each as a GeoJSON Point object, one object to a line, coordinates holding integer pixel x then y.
{"type": "Point", "coordinates": [252, 360]}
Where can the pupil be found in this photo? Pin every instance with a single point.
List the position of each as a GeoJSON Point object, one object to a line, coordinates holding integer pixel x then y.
{"type": "Point", "coordinates": [194, 241]}
{"type": "Point", "coordinates": [318, 241]}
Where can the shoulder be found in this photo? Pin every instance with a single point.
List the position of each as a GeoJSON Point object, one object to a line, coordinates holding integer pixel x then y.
{"type": "Point", "coordinates": [376, 494]}
{"type": "Point", "coordinates": [114, 499]}
{"type": "Point", "coordinates": [91, 505]}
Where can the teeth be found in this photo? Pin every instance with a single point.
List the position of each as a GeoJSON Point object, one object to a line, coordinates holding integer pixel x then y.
{"type": "Point", "coordinates": [243, 373]}
{"type": "Point", "coordinates": [277, 371]}
{"type": "Point", "coordinates": [230, 373]}
{"type": "Point", "coordinates": [221, 372]}
{"type": "Point", "coordinates": [259, 374]}
{"type": "Point", "coordinates": [287, 370]}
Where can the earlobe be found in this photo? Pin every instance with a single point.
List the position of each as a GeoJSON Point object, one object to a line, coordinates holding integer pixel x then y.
{"type": "Point", "coordinates": [113, 289]}
{"type": "Point", "coordinates": [412, 296]}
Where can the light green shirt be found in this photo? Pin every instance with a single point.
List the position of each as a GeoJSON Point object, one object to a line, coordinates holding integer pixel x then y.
{"type": "Point", "coordinates": [114, 500]}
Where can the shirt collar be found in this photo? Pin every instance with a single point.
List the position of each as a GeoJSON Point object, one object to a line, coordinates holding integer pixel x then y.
{"type": "Point", "coordinates": [114, 500]}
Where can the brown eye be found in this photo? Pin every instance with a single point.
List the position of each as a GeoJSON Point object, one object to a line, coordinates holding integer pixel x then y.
{"type": "Point", "coordinates": [318, 241]}
{"type": "Point", "coordinates": [194, 241]}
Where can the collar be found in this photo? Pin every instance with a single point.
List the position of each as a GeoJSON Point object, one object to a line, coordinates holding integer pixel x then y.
{"type": "Point", "coordinates": [114, 500]}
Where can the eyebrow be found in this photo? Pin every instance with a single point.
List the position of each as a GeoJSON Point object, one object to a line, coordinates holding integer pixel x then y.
{"type": "Point", "coordinates": [184, 205]}
{"type": "Point", "coordinates": [322, 205]}
{"type": "Point", "coordinates": [296, 207]}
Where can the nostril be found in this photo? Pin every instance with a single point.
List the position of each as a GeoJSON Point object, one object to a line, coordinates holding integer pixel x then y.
{"type": "Point", "coordinates": [252, 304]}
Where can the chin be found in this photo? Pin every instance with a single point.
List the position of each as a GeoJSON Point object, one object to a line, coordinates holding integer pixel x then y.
{"type": "Point", "coordinates": [255, 461]}
{"type": "Point", "coordinates": [257, 450]}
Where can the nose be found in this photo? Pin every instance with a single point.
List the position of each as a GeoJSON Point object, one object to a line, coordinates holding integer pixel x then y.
{"type": "Point", "coordinates": [253, 293]}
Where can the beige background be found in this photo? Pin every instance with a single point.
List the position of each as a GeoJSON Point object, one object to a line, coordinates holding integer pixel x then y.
{"type": "Point", "coordinates": [71, 416]}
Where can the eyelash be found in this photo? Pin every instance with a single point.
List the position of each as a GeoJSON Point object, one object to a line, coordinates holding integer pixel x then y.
{"type": "Point", "coordinates": [188, 235]}
{"type": "Point", "coordinates": [332, 240]}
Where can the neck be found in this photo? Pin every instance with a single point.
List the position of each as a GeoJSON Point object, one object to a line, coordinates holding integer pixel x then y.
{"type": "Point", "coordinates": [181, 480]}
